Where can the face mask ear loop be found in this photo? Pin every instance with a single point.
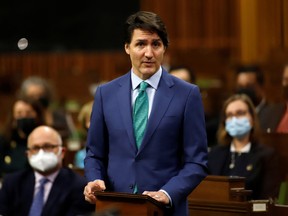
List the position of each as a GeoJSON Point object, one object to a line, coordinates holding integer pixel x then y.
{"type": "Point", "coordinates": [59, 151]}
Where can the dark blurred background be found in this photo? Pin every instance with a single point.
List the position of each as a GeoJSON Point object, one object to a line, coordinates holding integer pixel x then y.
{"type": "Point", "coordinates": [64, 25]}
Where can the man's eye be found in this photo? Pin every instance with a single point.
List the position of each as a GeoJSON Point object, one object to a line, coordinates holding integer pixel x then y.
{"type": "Point", "coordinates": [156, 44]}
{"type": "Point", "coordinates": [140, 44]}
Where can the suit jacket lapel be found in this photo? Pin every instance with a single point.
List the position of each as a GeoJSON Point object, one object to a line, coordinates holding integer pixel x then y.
{"type": "Point", "coordinates": [124, 105]}
{"type": "Point", "coordinates": [162, 99]}
{"type": "Point", "coordinates": [29, 185]}
{"type": "Point", "coordinates": [221, 158]}
{"type": "Point", "coordinates": [56, 192]}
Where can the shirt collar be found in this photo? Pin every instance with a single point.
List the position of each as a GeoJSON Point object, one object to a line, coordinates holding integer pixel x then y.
{"type": "Point", "coordinates": [153, 81]}
{"type": "Point", "coordinates": [245, 149]}
{"type": "Point", "coordinates": [50, 177]}
{"type": "Point", "coordinates": [260, 105]}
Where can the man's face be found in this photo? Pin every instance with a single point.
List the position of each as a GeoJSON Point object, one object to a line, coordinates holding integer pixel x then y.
{"type": "Point", "coordinates": [247, 84]}
{"type": "Point", "coordinates": [146, 52]}
{"type": "Point", "coordinates": [35, 91]}
{"type": "Point", "coordinates": [285, 77]}
{"type": "Point", "coordinates": [23, 110]}
{"type": "Point", "coordinates": [47, 140]}
{"type": "Point", "coordinates": [181, 74]}
{"type": "Point", "coordinates": [246, 80]}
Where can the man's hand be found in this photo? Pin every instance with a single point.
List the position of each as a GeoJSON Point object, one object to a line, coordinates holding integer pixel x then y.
{"type": "Point", "coordinates": [91, 188]}
{"type": "Point", "coordinates": [158, 195]}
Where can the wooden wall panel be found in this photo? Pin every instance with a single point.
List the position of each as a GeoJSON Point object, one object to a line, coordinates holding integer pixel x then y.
{"type": "Point", "coordinates": [210, 36]}
{"type": "Point", "coordinates": [196, 23]}
{"type": "Point", "coordinates": [71, 74]}
{"type": "Point", "coordinates": [285, 22]}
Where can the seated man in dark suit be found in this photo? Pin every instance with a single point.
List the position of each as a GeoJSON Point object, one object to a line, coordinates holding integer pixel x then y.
{"type": "Point", "coordinates": [62, 193]}
{"type": "Point", "coordinates": [250, 80]}
{"type": "Point", "coordinates": [277, 117]}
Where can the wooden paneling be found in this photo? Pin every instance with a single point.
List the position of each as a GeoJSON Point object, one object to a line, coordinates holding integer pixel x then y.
{"type": "Point", "coordinates": [71, 74]}
{"type": "Point", "coordinates": [209, 36]}
{"type": "Point", "coordinates": [196, 23]}
{"type": "Point", "coordinates": [285, 22]}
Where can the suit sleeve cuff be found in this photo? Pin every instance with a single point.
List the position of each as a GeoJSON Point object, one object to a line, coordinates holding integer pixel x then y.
{"type": "Point", "coordinates": [170, 200]}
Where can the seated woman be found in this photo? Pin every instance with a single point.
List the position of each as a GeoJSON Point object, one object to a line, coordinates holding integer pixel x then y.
{"type": "Point", "coordinates": [84, 120]}
{"type": "Point", "coordinates": [24, 117]}
{"type": "Point", "coordinates": [240, 154]}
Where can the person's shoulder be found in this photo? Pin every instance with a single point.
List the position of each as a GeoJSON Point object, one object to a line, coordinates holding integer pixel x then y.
{"type": "Point", "coordinates": [118, 80]}
{"type": "Point", "coordinates": [219, 147]}
{"type": "Point", "coordinates": [16, 176]}
{"type": "Point", "coordinates": [264, 150]}
{"type": "Point", "coordinates": [274, 107]}
{"type": "Point", "coordinates": [4, 143]}
{"type": "Point", "coordinates": [70, 174]}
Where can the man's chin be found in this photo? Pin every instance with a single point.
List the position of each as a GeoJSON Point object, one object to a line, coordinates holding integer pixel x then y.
{"type": "Point", "coordinates": [149, 70]}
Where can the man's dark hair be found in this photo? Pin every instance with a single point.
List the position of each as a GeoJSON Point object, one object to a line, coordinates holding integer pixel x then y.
{"type": "Point", "coordinates": [252, 69]}
{"type": "Point", "coordinates": [146, 21]}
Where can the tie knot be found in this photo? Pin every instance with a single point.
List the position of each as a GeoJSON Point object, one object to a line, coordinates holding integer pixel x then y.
{"type": "Point", "coordinates": [143, 86]}
{"type": "Point", "coordinates": [43, 181]}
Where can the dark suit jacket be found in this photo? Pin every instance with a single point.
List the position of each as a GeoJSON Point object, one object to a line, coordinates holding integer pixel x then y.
{"type": "Point", "coordinates": [173, 153]}
{"type": "Point", "coordinates": [65, 198]}
{"type": "Point", "coordinates": [263, 177]}
{"type": "Point", "coordinates": [272, 116]}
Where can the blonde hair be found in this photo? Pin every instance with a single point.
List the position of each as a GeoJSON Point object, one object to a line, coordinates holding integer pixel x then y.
{"type": "Point", "coordinates": [85, 113]}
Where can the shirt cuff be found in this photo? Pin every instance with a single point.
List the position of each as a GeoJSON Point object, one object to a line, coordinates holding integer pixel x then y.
{"type": "Point", "coordinates": [170, 200]}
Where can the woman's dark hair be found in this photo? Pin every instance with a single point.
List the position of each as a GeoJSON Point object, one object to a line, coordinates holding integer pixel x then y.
{"type": "Point", "coordinates": [10, 124]}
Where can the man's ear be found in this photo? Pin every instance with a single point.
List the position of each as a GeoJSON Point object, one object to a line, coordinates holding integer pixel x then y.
{"type": "Point", "coordinates": [63, 151]}
{"type": "Point", "coordinates": [127, 48]}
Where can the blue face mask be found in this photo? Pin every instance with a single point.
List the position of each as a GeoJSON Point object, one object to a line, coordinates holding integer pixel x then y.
{"type": "Point", "coordinates": [238, 127]}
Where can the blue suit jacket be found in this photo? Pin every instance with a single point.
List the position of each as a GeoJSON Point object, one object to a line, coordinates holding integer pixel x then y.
{"type": "Point", "coordinates": [65, 198]}
{"type": "Point", "coordinates": [173, 153]}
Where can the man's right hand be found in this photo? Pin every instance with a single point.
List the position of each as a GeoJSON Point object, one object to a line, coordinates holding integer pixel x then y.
{"type": "Point", "coordinates": [91, 188]}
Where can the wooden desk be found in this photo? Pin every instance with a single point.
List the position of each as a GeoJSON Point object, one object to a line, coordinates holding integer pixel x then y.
{"type": "Point", "coordinates": [129, 204]}
{"type": "Point", "coordinates": [219, 196]}
{"type": "Point", "coordinates": [226, 196]}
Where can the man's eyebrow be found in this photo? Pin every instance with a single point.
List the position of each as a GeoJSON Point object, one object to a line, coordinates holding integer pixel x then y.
{"type": "Point", "coordinates": [46, 143]}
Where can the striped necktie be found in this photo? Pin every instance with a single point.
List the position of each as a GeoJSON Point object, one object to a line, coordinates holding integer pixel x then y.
{"type": "Point", "coordinates": [140, 113]}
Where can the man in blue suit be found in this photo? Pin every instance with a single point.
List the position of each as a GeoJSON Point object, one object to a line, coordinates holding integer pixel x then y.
{"type": "Point", "coordinates": [171, 160]}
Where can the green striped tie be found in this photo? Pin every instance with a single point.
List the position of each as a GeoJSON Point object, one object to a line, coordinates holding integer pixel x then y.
{"type": "Point", "coordinates": [140, 113]}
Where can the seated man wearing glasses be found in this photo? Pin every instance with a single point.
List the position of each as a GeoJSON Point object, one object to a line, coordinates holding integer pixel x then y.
{"type": "Point", "coordinates": [48, 187]}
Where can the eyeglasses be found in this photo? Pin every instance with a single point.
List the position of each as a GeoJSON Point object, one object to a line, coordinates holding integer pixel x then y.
{"type": "Point", "coordinates": [45, 147]}
{"type": "Point", "coordinates": [237, 114]}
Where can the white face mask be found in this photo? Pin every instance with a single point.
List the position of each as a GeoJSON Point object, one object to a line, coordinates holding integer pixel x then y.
{"type": "Point", "coordinates": [44, 161]}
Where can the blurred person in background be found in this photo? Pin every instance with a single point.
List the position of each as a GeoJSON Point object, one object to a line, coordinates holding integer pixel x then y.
{"type": "Point", "coordinates": [26, 114]}
{"type": "Point", "coordinates": [183, 72]}
{"type": "Point", "coordinates": [187, 74]}
{"type": "Point", "coordinates": [39, 89]}
{"type": "Point", "coordinates": [84, 120]}
{"type": "Point", "coordinates": [62, 192]}
{"type": "Point", "coordinates": [250, 81]}
{"type": "Point", "coordinates": [239, 152]}
{"type": "Point", "coordinates": [277, 117]}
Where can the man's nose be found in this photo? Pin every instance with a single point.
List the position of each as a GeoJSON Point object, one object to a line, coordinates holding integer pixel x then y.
{"type": "Point", "coordinates": [149, 52]}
